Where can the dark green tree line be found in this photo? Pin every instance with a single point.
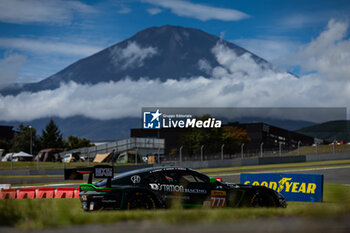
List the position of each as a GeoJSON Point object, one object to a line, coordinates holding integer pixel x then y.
{"type": "Point", "coordinates": [213, 138]}
{"type": "Point", "coordinates": [51, 137]}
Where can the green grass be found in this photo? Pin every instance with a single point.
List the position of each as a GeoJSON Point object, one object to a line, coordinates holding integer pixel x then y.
{"type": "Point", "coordinates": [321, 149]}
{"type": "Point", "coordinates": [312, 150]}
{"type": "Point", "coordinates": [36, 213]}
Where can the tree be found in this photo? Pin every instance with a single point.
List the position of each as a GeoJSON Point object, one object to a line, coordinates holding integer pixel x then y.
{"type": "Point", "coordinates": [213, 138]}
{"type": "Point", "coordinates": [233, 137]}
{"type": "Point", "coordinates": [75, 142]}
{"type": "Point", "coordinates": [51, 137]}
{"type": "Point", "coordinates": [22, 139]}
{"type": "Point", "coordinates": [5, 144]}
{"type": "Point", "coordinates": [196, 137]}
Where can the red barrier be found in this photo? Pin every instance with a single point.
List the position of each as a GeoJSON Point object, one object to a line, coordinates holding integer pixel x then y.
{"type": "Point", "coordinates": [76, 193]}
{"type": "Point", "coordinates": [45, 193]}
{"type": "Point", "coordinates": [65, 193]}
{"type": "Point", "coordinates": [26, 193]}
{"type": "Point", "coordinates": [8, 193]}
{"type": "Point", "coordinates": [39, 193]}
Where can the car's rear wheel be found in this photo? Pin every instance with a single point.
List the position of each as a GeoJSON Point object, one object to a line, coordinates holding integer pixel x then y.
{"type": "Point", "coordinates": [140, 200]}
{"type": "Point", "coordinates": [85, 205]}
{"type": "Point", "coordinates": [262, 199]}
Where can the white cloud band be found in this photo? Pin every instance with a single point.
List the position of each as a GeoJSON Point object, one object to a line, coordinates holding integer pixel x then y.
{"type": "Point", "coordinates": [199, 11]}
{"type": "Point", "coordinates": [48, 47]}
{"type": "Point", "coordinates": [37, 11]}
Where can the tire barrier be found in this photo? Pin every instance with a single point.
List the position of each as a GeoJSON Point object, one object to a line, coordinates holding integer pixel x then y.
{"type": "Point", "coordinates": [8, 194]}
{"type": "Point", "coordinates": [45, 193]}
{"type": "Point", "coordinates": [64, 193]}
{"type": "Point", "coordinates": [26, 193]}
{"type": "Point", "coordinates": [31, 193]}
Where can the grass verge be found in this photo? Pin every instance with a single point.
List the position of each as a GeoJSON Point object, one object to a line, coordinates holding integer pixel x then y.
{"type": "Point", "coordinates": [36, 213]}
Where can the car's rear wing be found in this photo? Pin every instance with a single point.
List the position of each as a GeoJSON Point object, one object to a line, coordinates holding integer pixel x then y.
{"type": "Point", "coordinates": [98, 171]}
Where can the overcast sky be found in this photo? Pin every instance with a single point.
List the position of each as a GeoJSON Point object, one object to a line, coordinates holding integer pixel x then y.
{"type": "Point", "coordinates": [310, 38]}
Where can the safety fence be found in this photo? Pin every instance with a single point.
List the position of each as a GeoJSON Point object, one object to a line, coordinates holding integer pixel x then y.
{"type": "Point", "coordinates": [31, 193]}
{"type": "Point", "coordinates": [203, 155]}
{"type": "Point", "coordinates": [142, 145]}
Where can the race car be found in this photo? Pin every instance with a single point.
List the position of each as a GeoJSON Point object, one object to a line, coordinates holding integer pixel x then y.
{"type": "Point", "coordinates": [163, 187]}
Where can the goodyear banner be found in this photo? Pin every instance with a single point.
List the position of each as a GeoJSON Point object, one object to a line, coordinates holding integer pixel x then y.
{"type": "Point", "coordinates": [294, 187]}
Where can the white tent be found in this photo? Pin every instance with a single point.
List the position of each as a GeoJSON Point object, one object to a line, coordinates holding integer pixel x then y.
{"type": "Point", "coordinates": [7, 157]}
{"type": "Point", "coordinates": [22, 154]}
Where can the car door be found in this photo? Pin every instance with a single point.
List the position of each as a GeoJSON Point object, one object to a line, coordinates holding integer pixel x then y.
{"type": "Point", "coordinates": [196, 188]}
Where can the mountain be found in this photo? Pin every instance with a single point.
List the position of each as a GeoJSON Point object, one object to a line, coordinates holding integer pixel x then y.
{"type": "Point", "coordinates": [167, 52]}
{"type": "Point", "coordinates": [331, 130]}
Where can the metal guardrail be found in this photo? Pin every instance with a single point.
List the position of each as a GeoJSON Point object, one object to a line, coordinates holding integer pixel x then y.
{"type": "Point", "coordinates": [142, 145]}
{"type": "Point", "coordinates": [258, 153]}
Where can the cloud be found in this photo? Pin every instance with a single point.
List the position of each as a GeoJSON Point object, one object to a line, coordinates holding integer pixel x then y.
{"type": "Point", "coordinates": [297, 21]}
{"type": "Point", "coordinates": [269, 48]}
{"type": "Point", "coordinates": [328, 55]}
{"type": "Point", "coordinates": [154, 11]}
{"type": "Point", "coordinates": [48, 47]}
{"type": "Point", "coordinates": [199, 11]}
{"type": "Point", "coordinates": [124, 10]}
{"type": "Point", "coordinates": [204, 65]}
{"type": "Point", "coordinates": [9, 67]}
{"type": "Point", "coordinates": [132, 55]}
{"type": "Point", "coordinates": [236, 82]}
{"type": "Point", "coordinates": [37, 11]}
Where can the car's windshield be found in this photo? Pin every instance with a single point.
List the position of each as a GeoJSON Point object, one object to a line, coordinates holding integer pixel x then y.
{"type": "Point", "coordinates": [118, 176]}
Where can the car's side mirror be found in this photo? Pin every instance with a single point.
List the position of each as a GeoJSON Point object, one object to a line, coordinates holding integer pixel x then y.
{"type": "Point", "coordinates": [212, 180]}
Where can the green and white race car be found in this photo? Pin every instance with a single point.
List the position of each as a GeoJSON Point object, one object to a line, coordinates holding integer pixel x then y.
{"type": "Point", "coordinates": [162, 187]}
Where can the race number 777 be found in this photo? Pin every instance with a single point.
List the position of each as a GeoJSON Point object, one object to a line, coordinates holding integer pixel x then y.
{"type": "Point", "coordinates": [217, 202]}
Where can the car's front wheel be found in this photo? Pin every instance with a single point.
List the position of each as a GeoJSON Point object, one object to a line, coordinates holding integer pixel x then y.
{"type": "Point", "coordinates": [262, 199]}
{"type": "Point", "coordinates": [140, 200]}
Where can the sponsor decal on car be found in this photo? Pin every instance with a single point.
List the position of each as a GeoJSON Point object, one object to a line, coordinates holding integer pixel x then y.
{"type": "Point", "coordinates": [217, 199]}
{"type": "Point", "coordinates": [103, 171]}
{"type": "Point", "coordinates": [167, 187]}
{"type": "Point", "coordinates": [197, 191]}
{"type": "Point", "coordinates": [176, 188]}
{"type": "Point", "coordinates": [109, 201]}
{"type": "Point", "coordinates": [135, 179]}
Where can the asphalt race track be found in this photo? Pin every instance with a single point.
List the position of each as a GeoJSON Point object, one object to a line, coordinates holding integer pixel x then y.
{"type": "Point", "coordinates": [339, 174]}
